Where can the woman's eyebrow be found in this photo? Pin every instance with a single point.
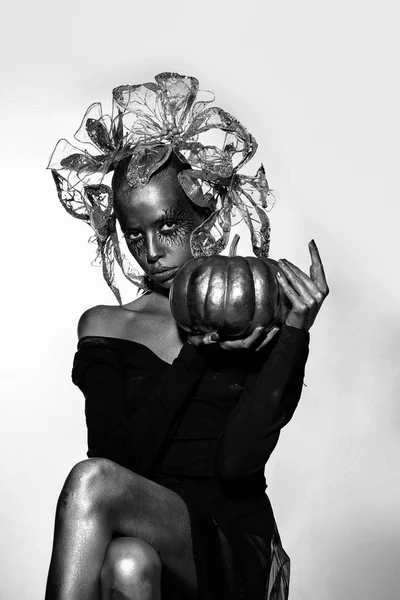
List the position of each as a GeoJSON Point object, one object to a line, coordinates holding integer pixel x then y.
{"type": "Point", "coordinates": [171, 212]}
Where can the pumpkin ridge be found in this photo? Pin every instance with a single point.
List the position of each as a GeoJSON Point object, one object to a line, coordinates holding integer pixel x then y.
{"type": "Point", "coordinates": [203, 286]}
{"type": "Point", "coordinates": [251, 300]}
{"type": "Point", "coordinates": [253, 314]}
{"type": "Point", "coordinates": [238, 300]}
{"type": "Point", "coordinates": [226, 293]}
{"type": "Point", "coordinates": [177, 300]}
{"type": "Point", "coordinates": [212, 314]}
{"type": "Point", "coordinates": [192, 298]}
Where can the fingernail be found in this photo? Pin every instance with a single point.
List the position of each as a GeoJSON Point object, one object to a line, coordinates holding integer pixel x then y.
{"type": "Point", "coordinates": [312, 242]}
{"type": "Point", "coordinates": [278, 274]}
{"type": "Point", "coordinates": [214, 337]}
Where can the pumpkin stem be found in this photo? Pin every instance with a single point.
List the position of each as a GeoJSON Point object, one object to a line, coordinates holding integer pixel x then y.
{"type": "Point", "coordinates": [233, 246]}
{"type": "Point", "coordinates": [234, 243]}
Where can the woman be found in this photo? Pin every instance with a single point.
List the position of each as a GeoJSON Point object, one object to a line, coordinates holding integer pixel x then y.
{"type": "Point", "coordinates": [171, 502]}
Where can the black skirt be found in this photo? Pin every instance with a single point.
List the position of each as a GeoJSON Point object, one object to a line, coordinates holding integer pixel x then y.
{"type": "Point", "coordinates": [237, 548]}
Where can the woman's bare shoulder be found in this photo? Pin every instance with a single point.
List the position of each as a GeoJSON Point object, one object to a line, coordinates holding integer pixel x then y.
{"type": "Point", "coordinates": [108, 321]}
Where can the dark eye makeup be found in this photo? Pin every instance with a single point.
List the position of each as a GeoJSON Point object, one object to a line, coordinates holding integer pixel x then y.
{"type": "Point", "coordinates": [175, 227]}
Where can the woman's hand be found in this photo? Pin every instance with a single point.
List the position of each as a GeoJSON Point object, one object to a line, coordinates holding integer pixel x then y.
{"type": "Point", "coordinates": [259, 338]}
{"type": "Point", "coordinates": [305, 293]}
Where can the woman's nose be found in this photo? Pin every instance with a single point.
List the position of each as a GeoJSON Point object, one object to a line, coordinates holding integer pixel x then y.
{"type": "Point", "coordinates": [155, 249]}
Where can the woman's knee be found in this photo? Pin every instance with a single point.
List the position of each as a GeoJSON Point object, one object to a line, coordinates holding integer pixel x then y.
{"type": "Point", "coordinates": [85, 487]}
{"type": "Point", "coordinates": [130, 561]}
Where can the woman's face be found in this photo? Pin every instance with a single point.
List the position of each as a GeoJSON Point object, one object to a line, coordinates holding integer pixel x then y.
{"type": "Point", "coordinates": [157, 221]}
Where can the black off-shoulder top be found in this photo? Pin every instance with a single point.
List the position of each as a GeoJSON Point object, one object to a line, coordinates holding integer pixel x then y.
{"type": "Point", "coordinates": [212, 415]}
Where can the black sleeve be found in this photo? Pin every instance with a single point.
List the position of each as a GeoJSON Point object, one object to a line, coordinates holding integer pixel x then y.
{"type": "Point", "coordinates": [137, 440]}
{"type": "Point", "coordinates": [266, 405]}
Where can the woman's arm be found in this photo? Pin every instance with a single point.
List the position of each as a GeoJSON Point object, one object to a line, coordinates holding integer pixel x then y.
{"type": "Point", "coordinates": [137, 440]}
{"type": "Point", "coordinates": [254, 426]}
{"type": "Point", "coordinates": [265, 406]}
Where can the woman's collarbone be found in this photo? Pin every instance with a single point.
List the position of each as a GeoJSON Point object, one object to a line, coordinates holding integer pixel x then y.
{"type": "Point", "coordinates": [160, 333]}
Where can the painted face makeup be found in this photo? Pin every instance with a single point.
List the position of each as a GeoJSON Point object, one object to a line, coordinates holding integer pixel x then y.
{"type": "Point", "coordinates": [175, 227]}
{"type": "Point", "coordinates": [157, 221]}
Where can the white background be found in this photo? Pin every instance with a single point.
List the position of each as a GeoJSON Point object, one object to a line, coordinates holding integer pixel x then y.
{"type": "Point", "coordinates": [317, 85]}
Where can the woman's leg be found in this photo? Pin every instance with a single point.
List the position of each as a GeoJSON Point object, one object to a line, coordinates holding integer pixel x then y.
{"type": "Point", "coordinates": [101, 499]}
{"type": "Point", "coordinates": [131, 570]}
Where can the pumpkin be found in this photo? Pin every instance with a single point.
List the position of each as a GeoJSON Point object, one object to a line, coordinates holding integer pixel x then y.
{"type": "Point", "coordinates": [229, 294]}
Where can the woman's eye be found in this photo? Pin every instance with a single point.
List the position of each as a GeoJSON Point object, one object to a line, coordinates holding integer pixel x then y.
{"type": "Point", "coordinates": [132, 237]}
{"type": "Point", "coordinates": [169, 224]}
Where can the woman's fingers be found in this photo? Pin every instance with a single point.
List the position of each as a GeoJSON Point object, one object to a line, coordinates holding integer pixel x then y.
{"type": "Point", "coordinates": [204, 340]}
{"type": "Point", "coordinates": [317, 272]}
{"type": "Point", "coordinates": [248, 343]}
{"type": "Point", "coordinates": [290, 291]}
{"type": "Point", "coordinates": [300, 312]}
{"type": "Point", "coordinates": [255, 341]}
{"type": "Point", "coordinates": [299, 280]}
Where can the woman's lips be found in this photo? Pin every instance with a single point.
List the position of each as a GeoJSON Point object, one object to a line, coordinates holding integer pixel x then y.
{"type": "Point", "coordinates": [164, 275]}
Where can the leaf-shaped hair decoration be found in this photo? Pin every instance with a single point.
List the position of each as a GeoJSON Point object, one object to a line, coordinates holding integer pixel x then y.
{"type": "Point", "coordinates": [189, 180]}
{"type": "Point", "coordinates": [256, 189]}
{"type": "Point", "coordinates": [210, 159]}
{"type": "Point", "coordinates": [145, 161]}
{"type": "Point", "coordinates": [79, 162]}
{"type": "Point", "coordinates": [260, 238]}
{"type": "Point", "coordinates": [125, 265]}
{"type": "Point", "coordinates": [238, 140]}
{"type": "Point", "coordinates": [106, 250]}
{"type": "Point", "coordinates": [100, 195]}
{"type": "Point", "coordinates": [71, 199]}
{"type": "Point", "coordinates": [99, 135]}
{"type": "Point", "coordinates": [102, 218]}
{"type": "Point", "coordinates": [177, 96]}
{"type": "Point", "coordinates": [256, 220]}
{"type": "Point", "coordinates": [211, 237]}
{"type": "Point", "coordinates": [192, 182]}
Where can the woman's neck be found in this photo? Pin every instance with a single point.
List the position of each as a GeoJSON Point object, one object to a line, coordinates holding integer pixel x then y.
{"type": "Point", "coordinates": [158, 301]}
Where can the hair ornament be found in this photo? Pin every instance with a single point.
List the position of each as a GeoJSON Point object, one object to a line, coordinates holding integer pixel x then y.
{"type": "Point", "coordinates": [148, 122]}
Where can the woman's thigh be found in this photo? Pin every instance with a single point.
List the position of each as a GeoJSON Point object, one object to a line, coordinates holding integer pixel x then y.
{"type": "Point", "coordinates": [132, 505]}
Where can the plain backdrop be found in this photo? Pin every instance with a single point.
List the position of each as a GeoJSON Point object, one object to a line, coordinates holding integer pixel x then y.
{"type": "Point", "coordinates": [317, 84]}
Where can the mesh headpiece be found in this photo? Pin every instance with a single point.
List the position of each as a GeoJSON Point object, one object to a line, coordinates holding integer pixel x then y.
{"type": "Point", "coordinates": [148, 123]}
